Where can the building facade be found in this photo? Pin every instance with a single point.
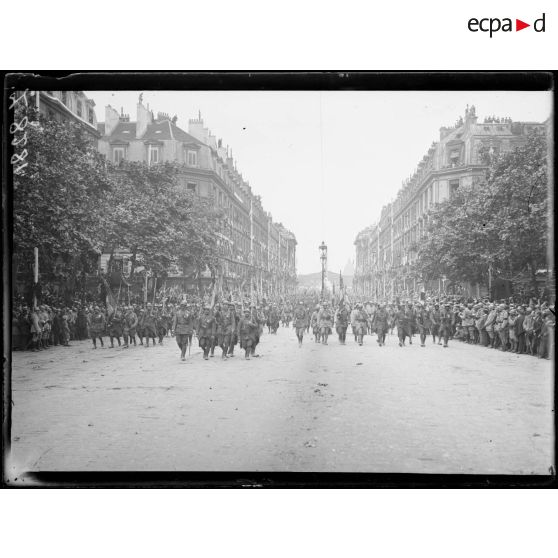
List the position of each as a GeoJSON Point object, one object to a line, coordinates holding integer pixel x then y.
{"type": "Point", "coordinates": [386, 250]}
{"type": "Point", "coordinates": [66, 106]}
{"type": "Point", "coordinates": [256, 253]}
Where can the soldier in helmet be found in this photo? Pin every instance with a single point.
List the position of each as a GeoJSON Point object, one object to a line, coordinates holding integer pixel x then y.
{"type": "Point", "coordinates": [129, 324]}
{"type": "Point", "coordinates": [354, 325]}
{"type": "Point", "coordinates": [435, 315]}
{"type": "Point", "coordinates": [259, 319]}
{"type": "Point", "coordinates": [247, 330]}
{"type": "Point", "coordinates": [97, 326]}
{"type": "Point", "coordinates": [361, 321]}
{"type": "Point", "coordinates": [229, 327]}
{"type": "Point", "coordinates": [273, 319]}
{"type": "Point", "coordinates": [140, 329]}
{"type": "Point", "coordinates": [300, 321]}
{"type": "Point", "coordinates": [380, 324]}
{"type": "Point", "coordinates": [315, 325]}
{"type": "Point", "coordinates": [161, 324]}
{"type": "Point", "coordinates": [325, 322]}
{"type": "Point", "coordinates": [206, 331]}
{"type": "Point", "coordinates": [149, 326]}
{"type": "Point", "coordinates": [447, 320]}
{"type": "Point", "coordinates": [182, 326]}
{"type": "Point", "coordinates": [423, 322]}
{"type": "Point", "coordinates": [218, 334]}
{"type": "Point", "coordinates": [237, 309]}
{"type": "Point", "coordinates": [115, 329]}
{"type": "Point", "coordinates": [342, 322]}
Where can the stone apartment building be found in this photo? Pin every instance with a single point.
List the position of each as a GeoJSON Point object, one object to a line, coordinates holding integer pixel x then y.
{"type": "Point", "coordinates": [386, 249]}
{"type": "Point", "coordinates": [255, 251]}
{"type": "Point", "coordinates": [66, 106]}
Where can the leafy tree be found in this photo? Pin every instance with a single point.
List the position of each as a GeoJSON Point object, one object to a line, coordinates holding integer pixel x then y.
{"type": "Point", "coordinates": [499, 222]}
{"type": "Point", "coordinates": [58, 203]}
{"type": "Point", "coordinates": [518, 186]}
{"type": "Point", "coordinates": [73, 204]}
{"type": "Point", "coordinates": [158, 220]}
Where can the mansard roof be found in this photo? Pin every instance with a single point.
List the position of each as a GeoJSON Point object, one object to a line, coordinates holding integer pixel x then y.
{"type": "Point", "coordinates": [156, 131]}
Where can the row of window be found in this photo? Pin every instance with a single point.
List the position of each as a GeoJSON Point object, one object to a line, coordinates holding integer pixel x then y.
{"type": "Point", "coordinates": [153, 155]}
{"type": "Point", "coordinates": [64, 97]}
{"type": "Point", "coordinates": [430, 196]}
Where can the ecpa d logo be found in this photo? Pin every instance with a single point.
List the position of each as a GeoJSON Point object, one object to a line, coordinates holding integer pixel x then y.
{"type": "Point", "coordinates": [494, 24]}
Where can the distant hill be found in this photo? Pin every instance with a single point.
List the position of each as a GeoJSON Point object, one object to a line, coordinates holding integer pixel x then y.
{"type": "Point", "coordinates": [309, 280]}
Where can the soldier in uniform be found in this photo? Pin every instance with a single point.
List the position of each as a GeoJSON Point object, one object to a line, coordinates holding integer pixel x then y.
{"type": "Point", "coordinates": [528, 330]}
{"type": "Point", "coordinates": [300, 322]}
{"type": "Point", "coordinates": [546, 334]}
{"type": "Point", "coordinates": [247, 333]}
{"type": "Point", "coordinates": [411, 321]}
{"type": "Point", "coordinates": [206, 331]}
{"type": "Point", "coordinates": [503, 326]}
{"type": "Point", "coordinates": [161, 324]}
{"type": "Point", "coordinates": [81, 325]}
{"type": "Point", "coordinates": [140, 328]}
{"type": "Point", "coordinates": [423, 323]}
{"type": "Point", "coordinates": [149, 326]}
{"type": "Point", "coordinates": [354, 325]}
{"type": "Point", "coordinates": [36, 331]}
{"type": "Point", "coordinates": [97, 326]}
{"type": "Point", "coordinates": [183, 328]}
{"type": "Point", "coordinates": [273, 319]}
{"type": "Point", "coordinates": [218, 335]}
{"type": "Point", "coordinates": [342, 322]}
{"type": "Point", "coordinates": [114, 327]}
{"type": "Point", "coordinates": [519, 331]}
{"type": "Point", "coordinates": [129, 325]}
{"type": "Point", "coordinates": [315, 325]}
{"type": "Point", "coordinates": [361, 321]}
{"type": "Point", "coordinates": [467, 324]}
{"type": "Point", "coordinates": [234, 338]}
{"type": "Point", "coordinates": [489, 325]}
{"type": "Point", "coordinates": [224, 322]}
{"type": "Point", "coordinates": [258, 319]}
{"type": "Point", "coordinates": [65, 328]}
{"type": "Point", "coordinates": [435, 315]}
{"type": "Point", "coordinates": [400, 321]}
{"type": "Point", "coordinates": [325, 322]}
{"type": "Point", "coordinates": [447, 319]}
{"type": "Point", "coordinates": [380, 324]}
{"type": "Point", "coordinates": [288, 315]}
{"type": "Point", "coordinates": [229, 327]}
{"type": "Point", "coordinates": [44, 321]}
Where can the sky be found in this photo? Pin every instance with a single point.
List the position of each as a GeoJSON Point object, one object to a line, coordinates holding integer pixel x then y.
{"type": "Point", "coordinates": [326, 162]}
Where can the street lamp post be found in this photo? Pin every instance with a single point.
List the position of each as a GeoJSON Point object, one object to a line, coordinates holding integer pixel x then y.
{"type": "Point", "coordinates": [323, 258]}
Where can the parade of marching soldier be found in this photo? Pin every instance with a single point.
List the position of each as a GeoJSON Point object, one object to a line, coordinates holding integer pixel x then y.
{"type": "Point", "coordinates": [283, 281]}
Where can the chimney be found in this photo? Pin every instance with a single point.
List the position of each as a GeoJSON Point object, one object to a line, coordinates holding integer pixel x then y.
{"type": "Point", "coordinates": [212, 140]}
{"type": "Point", "coordinates": [471, 115]}
{"type": "Point", "coordinates": [111, 120]}
{"type": "Point", "coordinates": [144, 118]}
{"type": "Point", "coordinates": [196, 129]}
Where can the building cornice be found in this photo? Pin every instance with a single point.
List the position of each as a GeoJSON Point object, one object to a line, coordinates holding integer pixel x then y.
{"type": "Point", "coordinates": [55, 102]}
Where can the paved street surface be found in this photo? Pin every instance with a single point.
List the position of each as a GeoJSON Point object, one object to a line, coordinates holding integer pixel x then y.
{"type": "Point", "coordinates": [330, 408]}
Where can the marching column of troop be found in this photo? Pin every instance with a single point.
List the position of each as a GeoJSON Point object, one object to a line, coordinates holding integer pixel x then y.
{"type": "Point", "coordinates": [224, 325]}
{"type": "Point", "coordinates": [518, 328]}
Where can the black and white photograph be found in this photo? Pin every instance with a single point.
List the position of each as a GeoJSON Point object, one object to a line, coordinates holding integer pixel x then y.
{"type": "Point", "coordinates": [272, 280]}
